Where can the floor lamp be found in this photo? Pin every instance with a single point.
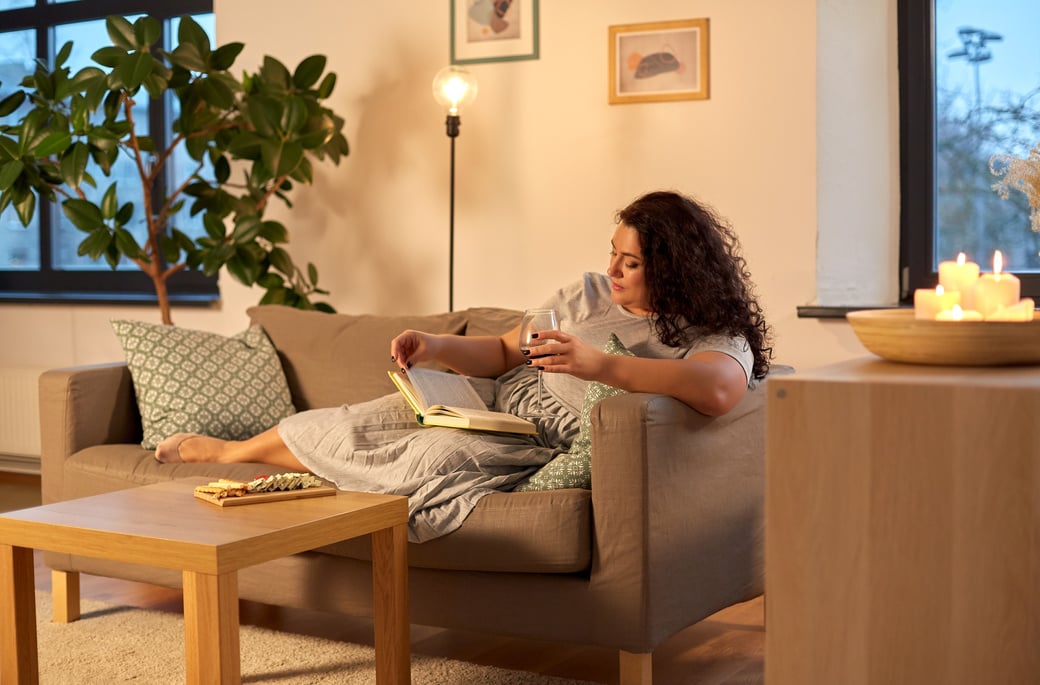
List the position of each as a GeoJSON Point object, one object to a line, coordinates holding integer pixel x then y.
{"type": "Point", "coordinates": [453, 88]}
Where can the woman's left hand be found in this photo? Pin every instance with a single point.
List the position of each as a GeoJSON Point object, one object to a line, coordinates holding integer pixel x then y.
{"type": "Point", "coordinates": [567, 354]}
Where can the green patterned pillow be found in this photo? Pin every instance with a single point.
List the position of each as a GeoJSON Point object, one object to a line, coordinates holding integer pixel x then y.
{"type": "Point", "coordinates": [574, 469]}
{"type": "Point", "coordinates": [190, 381]}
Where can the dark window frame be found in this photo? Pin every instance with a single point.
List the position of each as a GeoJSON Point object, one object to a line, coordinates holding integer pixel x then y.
{"type": "Point", "coordinates": [125, 285]}
{"type": "Point", "coordinates": [917, 148]}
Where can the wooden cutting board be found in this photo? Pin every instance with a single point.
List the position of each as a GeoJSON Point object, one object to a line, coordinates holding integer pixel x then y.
{"type": "Point", "coordinates": [258, 497]}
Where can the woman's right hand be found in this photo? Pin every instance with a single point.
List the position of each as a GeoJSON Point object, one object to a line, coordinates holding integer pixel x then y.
{"type": "Point", "coordinates": [412, 347]}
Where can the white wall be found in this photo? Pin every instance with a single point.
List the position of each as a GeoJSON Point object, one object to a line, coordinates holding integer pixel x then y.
{"type": "Point", "coordinates": [543, 162]}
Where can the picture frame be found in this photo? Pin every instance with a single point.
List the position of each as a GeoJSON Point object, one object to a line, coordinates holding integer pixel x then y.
{"type": "Point", "coordinates": [493, 31]}
{"type": "Point", "coordinates": [659, 61]}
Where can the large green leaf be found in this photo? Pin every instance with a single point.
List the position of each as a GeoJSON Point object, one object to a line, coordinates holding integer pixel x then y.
{"type": "Point", "coordinates": [190, 32]}
{"type": "Point", "coordinates": [245, 145]}
{"type": "Point", "coordinates": [147, 31]}
{"type": "Point", "coordinates": [274, 232]}
{"type": "Point", "coordinates": [52, 144]}
{"type": "Point", "coordinates": [188, 56]}
{"type": "Point", "coordinates": [125, 214]}
{"type": "Point", "coordinates": [327, 85]}
{"type": "Point", "coordinates": [294, 115]}
{"type": "Point", "coordinates": [84, 215]}
{"type": "Point", "coordinates": [155, 84]}
{"type": "Point", "coordinates": [309, 71]}
{"type": "Point", "coordinates": [74, 164]}
{"type": "Point", "coordinates": [264, 113]}
{"type": "Point", "coordinates": [127, 244]}
{"type": "Point", "coordinates": [274, 75]}
{"type": "Point", "coordinates": [109, 203]}
{"type": "Point", "coordinates": [120, 32]}
{"type": "Point", "coordinates": [214, 226]}
{"type": "Point", "coordinates": [109, 56]}
{"type": "Point", "coordinates": [133, 69]}
{"type": "Point", "coordinates": [224, 57]}
{"type": "Point", "coordinates": [95, 244]}
{"type": "Point", "coordinates": [281, 260]}
{"type": "Point", "coordinates": [8, 148]}
{"type": "Point", "coordinates": [216, 94]}
{"type": "Point", "coordinates": [246, 230]}
{"type": "Point", "coordinates": [86, 77]}
{"type": "Point", "coordinates": [9, 171]}
{"type": "Point", "coordinates": [81, 113]}
{"type": "Point", "coordinates": [12, 102]}
{"type": "Point", "coordinates": [63, 54]}
{"type": "Point", "coordinates": [25, 208]}
{"type": "Point", "coordinates": [289, 156]}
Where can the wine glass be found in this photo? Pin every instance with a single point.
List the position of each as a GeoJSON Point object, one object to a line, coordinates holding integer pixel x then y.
{"type": "Point", "coordinates": [534, 322]}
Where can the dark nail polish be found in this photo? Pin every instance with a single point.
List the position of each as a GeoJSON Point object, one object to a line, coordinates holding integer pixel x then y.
{"type": "Point", "coordinates": [528, 362]}
{"type": "Point", "coordinates": [393, 358]}
{"type": "Point", "coordinates": [409, 365]}
{"type": "Point", "coordinates": [534, 335]}
{"type": "Point", "coordinates": [525, 352]}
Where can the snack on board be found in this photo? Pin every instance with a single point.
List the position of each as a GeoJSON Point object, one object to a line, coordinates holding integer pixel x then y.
{"type": "Point", "coordinates": [223, 488]}
{"type": "Point", "coordinates": [276, 483]}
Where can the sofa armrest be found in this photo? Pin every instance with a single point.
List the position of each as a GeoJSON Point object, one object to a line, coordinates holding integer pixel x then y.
{"type": "Point", "coordinates": [678, 501]}
{"type": "Point", "coordinates": [80, 407]}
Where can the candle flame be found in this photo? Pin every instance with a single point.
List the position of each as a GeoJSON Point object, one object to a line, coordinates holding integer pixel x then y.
{"type": "Point", "coordinates": [998, 262]}
{"type": "Point", "coordinates": [957, 312]}
{"type": "Point", "coordinates": [939, 290]}
{"type": "Point", "coordinates": [961, 258]}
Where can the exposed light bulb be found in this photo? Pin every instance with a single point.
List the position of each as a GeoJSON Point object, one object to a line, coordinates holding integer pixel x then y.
{"type": "Point", "coordinates": [454, 88]}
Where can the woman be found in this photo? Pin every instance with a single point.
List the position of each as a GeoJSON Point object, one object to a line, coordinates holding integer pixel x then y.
{"type": "Point", "coordinates": [676, 293]}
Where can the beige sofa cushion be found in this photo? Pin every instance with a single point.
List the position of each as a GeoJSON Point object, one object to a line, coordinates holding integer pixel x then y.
{"type": "Point", "coordinates": [327, 358]}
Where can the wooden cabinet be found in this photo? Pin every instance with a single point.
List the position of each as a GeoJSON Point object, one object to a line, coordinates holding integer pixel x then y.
{"type": "Point", "coordinates": [903, 526]}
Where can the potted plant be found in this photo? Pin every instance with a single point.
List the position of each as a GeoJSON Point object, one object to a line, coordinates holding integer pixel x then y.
{"type": "Point", "coordinates": [249, 139]}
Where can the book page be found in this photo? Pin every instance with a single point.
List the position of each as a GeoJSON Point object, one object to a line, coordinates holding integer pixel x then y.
{"type": "Point", "coordinates": [449, 389]}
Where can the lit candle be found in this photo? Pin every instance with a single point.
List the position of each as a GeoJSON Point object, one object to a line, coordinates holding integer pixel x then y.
{"type": "Point", "coordinates": [996, 290]}
{"type": "Point", "coordinates": [959, 275]}
{"type": "Point", "coordinates": [928, 302]}
{"type": "Point", "coordinates": [958, 314]}
{"type": "Point", "coordinates": [1023, 310]}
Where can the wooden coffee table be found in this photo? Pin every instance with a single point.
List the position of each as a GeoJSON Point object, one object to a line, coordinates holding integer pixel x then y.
{"type": "Point", "coordinates": [164, 525]}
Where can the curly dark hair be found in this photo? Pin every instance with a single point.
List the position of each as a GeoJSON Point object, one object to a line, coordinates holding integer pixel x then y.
{"type": "Point", "coordinates": [695, 273]}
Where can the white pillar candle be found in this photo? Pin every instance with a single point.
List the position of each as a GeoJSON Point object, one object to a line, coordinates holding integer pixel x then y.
{"type": "Point", "coordinates": [1023, 310]}
{"type": "Point", "coordinates": [928, 303]}
{"type": "Point", "coordinates": [959, 275]}
{"type": "Point", "coordinates": [958, 314]}
{"type": "Point", "coordinates": [996, 290]}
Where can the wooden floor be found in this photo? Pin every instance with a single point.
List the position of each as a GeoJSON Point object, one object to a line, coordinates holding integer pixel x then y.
{"type": "Point", "coordinates": [724, 649]}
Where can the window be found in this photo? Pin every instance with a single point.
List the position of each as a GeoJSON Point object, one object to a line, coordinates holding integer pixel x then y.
{"type": "Point", "coordinates": [40, 263]}
{"type": "Point", "coordinates": [969, 89]}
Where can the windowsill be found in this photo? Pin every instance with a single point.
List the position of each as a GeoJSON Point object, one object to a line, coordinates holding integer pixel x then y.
{"type": "Point", "coordinates": [189, 300]}
{"type": "Point", "coordinates": [834, 312]}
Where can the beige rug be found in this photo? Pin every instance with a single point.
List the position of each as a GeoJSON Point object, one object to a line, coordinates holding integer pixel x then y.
{"type": "Point", "coordinates": [128, 645]}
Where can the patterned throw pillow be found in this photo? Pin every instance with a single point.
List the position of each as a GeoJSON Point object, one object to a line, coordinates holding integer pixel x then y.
{"type": "Point", "coordinates": [574, 469]}
{"type": "Point", "coordinates": [190, 381]}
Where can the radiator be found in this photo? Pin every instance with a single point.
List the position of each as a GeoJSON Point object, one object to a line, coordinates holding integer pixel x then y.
{"type": "Point", "coordinates": [20, 411]}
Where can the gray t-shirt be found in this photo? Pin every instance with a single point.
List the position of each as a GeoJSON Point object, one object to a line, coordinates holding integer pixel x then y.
{"type": "Point", "coordinates": [585, 309]}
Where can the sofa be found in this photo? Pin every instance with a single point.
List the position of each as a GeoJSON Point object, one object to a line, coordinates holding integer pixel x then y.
{"type": "Point", "coordinates": [670, 532]}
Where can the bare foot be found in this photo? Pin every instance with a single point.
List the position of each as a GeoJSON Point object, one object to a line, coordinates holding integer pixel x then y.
{"type": "Point", "coordinates": [169, 450]}
{"type": "Point", "coordinates": [189, 447]}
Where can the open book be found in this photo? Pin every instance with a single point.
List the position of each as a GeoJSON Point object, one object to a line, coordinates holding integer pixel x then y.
{"type": "Point", "coordinates": [447, 399]}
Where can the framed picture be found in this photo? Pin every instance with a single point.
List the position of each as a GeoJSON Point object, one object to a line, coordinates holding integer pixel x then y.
{"type": "Point", "coordinates": [493, 30]}
{"type": "Point", "coordinates": [659, 61]}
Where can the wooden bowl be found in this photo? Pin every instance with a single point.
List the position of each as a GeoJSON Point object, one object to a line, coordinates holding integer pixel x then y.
{"type": "Point", "coordinates": [895, 334]}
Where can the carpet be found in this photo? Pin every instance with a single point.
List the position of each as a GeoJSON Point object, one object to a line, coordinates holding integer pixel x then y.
{"type": "Point", "coordinates": [111, 644]}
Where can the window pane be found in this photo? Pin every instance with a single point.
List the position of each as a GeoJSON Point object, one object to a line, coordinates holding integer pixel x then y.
{"type": "Point", "coordinates": [86, 37]}
{"type": "Point", "coordinates": [19, 246]}
{"type": "Point", "coordinates": [15, 4]}
{"type": "Point", "coordinates": [987, 102]}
